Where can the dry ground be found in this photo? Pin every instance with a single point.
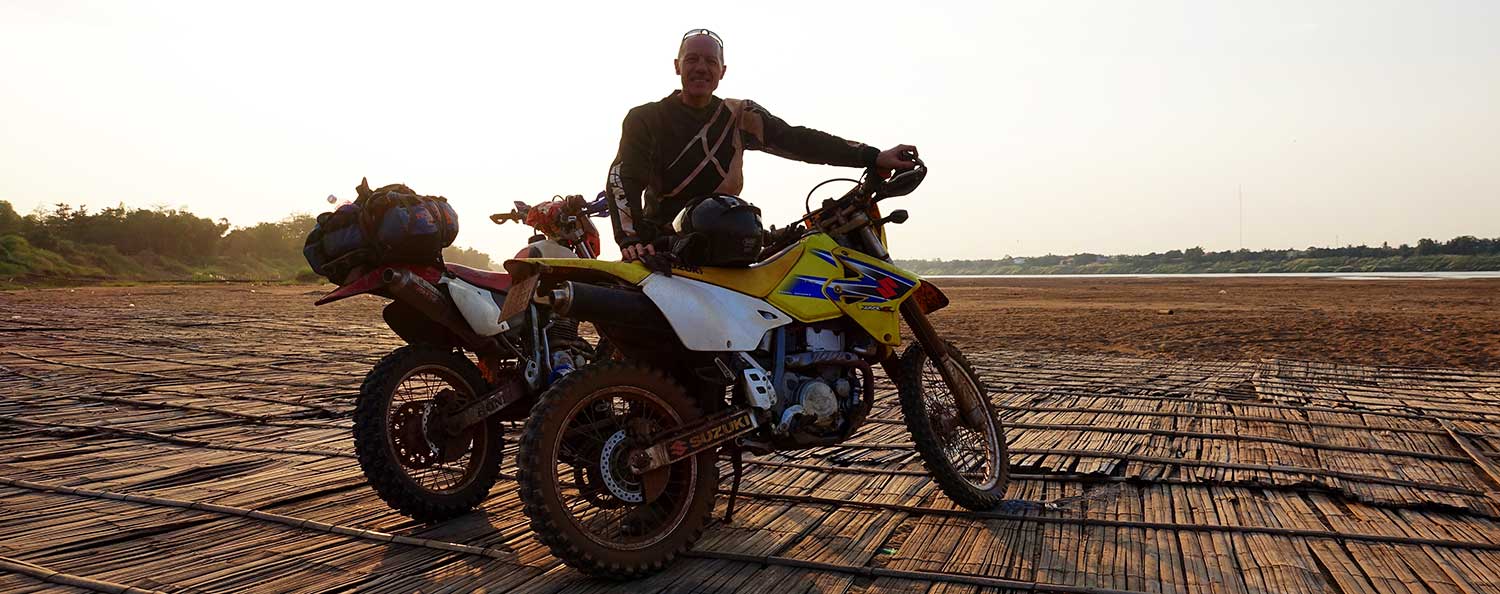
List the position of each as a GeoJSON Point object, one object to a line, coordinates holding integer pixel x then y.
{"type": "Point", "coordinates": [197, 440]}
{"type": "Point", "coordinates": [1414, 323]}
{"type": "Point", "coordinates": [1420, 323]}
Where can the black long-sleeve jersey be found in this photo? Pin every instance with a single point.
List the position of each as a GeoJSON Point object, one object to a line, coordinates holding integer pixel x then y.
{"type": "Point", "coordinates": [671, 153]}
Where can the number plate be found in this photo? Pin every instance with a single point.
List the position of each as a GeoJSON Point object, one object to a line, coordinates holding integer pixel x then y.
{"type": "Point", "coordinates": [519, 296]}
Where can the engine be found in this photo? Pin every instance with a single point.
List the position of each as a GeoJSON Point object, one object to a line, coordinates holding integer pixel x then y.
{"type": "Point", "coordinates": [823, 380]}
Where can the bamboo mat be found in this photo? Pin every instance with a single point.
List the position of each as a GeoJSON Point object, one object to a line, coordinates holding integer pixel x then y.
{"type": "Point", "coordinates": [197, 440]}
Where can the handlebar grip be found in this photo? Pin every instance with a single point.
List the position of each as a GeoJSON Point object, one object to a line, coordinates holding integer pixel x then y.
{"type": "Point", "coordinates": [597, 207]}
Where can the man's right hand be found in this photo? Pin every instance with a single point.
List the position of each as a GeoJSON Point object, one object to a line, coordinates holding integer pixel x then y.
{"type": "Point", "coordinates": [636, 251]}
{"type": "Point", "coordinates": [895, 158]}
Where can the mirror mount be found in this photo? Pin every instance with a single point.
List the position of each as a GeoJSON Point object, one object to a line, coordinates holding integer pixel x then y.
{"type": "Point", "coordinates": [896, 217]}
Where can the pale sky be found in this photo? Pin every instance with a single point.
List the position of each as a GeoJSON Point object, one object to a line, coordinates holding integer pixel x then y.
{"type": "Point", "coordinates": [1108, 127]}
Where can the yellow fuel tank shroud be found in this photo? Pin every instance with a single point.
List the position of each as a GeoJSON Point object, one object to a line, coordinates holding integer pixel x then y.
{"type": "Point", "coordinates": [829, 281]}
{"type": "Point", "coordinates": [759, 280]}
{"type": "Point", "coordinates": [631, 272]}
{"type": "Point", "coordinates": [812, 281]}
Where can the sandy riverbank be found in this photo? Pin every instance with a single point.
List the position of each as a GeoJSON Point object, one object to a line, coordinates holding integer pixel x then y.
{"type": "Point", "coordinates": [1448, 323]}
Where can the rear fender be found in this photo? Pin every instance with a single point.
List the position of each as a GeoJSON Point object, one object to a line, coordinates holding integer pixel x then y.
{"type": "Point", "coordinates": [370, 282]}
{"type": "Point", "coordinates": [416, 328]}
{"type": "Point", "coordinates": [579, 269]}
{"type": "Point", "coordinates": [528, 274]}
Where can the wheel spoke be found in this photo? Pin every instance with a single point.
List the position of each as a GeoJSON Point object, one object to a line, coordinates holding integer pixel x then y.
{"type": "Point", "coordinates": [972, 454]}
{"type": "Point", "coordinates": [598, 498]}
{"type": "Point", "coordinates": [411, 405]}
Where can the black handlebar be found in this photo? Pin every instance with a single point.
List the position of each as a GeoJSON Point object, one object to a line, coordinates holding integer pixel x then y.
{"type": "Point", "coordinates": [868, 190]}
{"type": "Point", "coordinates": [573, 205]}
{"type": "Point", "coordinates": [904, 182]}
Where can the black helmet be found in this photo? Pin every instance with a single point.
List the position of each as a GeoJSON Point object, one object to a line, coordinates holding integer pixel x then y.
{"type": "Point", "coordinates": [719, 230]}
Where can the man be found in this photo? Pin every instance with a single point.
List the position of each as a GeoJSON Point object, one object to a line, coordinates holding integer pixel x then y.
{"type": "Point", "coordinates": [691, 144]}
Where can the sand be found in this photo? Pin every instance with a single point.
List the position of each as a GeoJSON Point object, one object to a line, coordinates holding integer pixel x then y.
{"type": "Point", "coordinates": [1417, 323]}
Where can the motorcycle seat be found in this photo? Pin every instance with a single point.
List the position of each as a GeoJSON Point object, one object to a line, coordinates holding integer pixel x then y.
{"type": "Point", "coordinates": [494, 281]}
{"type": "Point", "coordinates": [757, 280]}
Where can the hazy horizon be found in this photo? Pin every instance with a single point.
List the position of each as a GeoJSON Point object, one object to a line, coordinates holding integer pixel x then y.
{"type": "Point", "coordinates": [1086, 127]}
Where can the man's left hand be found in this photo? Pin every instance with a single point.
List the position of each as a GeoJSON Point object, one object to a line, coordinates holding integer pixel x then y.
{"type": "Point", "coordinates": [895, 158]}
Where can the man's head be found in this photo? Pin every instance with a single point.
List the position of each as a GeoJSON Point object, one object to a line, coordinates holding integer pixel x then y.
{"type": "Point", "coordinates": [700, 63]}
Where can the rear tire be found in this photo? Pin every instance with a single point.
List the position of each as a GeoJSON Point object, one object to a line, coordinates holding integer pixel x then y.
{"type": "Point", "coordinates": [971, 466]}
{"type": "Point", "coordinates": [606, 351]}
{"type": "Point", "coordinates": [426, 483]}
{"type": "Point", "coordinates": [591, 512]}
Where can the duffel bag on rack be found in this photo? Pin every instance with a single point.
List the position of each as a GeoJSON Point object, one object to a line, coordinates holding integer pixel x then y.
{"type": "Point", "coordinates": [408, 227]}
{"type": "Point", "coordinates": [337, 244]}
{"type": "Point", "coordinates": [392, 224]}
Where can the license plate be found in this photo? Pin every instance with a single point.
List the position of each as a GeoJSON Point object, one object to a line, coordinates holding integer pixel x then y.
{"type": "Point", "coordinates": [519, 296]}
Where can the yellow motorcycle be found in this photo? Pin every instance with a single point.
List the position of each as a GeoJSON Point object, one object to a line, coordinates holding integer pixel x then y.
{"type": "Point", "coordinates": [617, 465]}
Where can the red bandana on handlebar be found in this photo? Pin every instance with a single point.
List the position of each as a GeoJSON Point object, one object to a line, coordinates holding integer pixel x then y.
{"type": "Point", "coordinates": [551, 219]}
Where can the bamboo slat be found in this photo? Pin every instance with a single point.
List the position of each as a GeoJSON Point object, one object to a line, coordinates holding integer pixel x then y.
{"type": "Point", "coordinates": [203, 446]}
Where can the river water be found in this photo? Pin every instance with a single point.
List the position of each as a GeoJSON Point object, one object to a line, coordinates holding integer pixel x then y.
{"type": "Point", "coordinates": [1328, 275]}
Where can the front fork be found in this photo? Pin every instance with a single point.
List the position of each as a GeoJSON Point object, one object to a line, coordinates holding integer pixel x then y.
{"type": "Point", "coordinates": [966, 393]}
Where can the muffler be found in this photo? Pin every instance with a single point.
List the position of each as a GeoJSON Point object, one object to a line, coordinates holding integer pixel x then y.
{"type": "Point", "coordinates": [606, 305]}
{"type": "Point", "coordinates": [412, 290]}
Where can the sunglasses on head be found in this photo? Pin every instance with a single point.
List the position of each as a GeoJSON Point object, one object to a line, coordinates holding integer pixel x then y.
{"type": "Point", "coordinates": [711, 34]}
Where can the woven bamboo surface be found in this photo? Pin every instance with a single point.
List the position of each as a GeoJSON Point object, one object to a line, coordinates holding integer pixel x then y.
{"type": "Point", "coordinates": [197, 440]}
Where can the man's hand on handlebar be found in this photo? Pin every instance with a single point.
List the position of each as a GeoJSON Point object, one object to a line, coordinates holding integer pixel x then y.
{"type": "Point", "coordinates": [897, 157]}
{"type": "Point", "coordinates": [636, 251]}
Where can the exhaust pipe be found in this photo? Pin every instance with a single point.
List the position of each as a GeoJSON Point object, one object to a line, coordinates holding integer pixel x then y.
{"type": "Point", "coordinates": [410, 289]}
{"type": "Point", "coordinates": [606, 305]}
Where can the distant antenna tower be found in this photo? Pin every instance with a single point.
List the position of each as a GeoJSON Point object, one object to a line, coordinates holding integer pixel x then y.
{"type": "Point", "coordinates": [1242, 216]}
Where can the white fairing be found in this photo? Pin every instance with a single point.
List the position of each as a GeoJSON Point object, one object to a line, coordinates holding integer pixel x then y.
{"type": "Point", "coordinates": [479, 306]}
{"type": "Point", "coordinates": [710, 318]}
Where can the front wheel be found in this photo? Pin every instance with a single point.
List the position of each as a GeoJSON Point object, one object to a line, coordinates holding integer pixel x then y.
{"type": "Point", "coordinates": [583, 500]}
{"type": "Point", "coordinates": [967, 458]}
{"type": "Point", "coordinates": [423, 474]}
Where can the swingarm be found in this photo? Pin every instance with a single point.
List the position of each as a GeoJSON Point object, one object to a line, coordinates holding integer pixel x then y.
{"type": "Point", "coordinates": [693, 439]}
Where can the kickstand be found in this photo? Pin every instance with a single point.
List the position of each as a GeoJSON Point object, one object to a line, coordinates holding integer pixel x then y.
{"type": "Point", "coordinates": [737, 467]}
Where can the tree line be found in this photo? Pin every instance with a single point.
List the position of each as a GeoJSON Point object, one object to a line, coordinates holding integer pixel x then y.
{"type": "Point", "coordinates": [67, 243]}
{"type": "Point", "coordinates": [1463, 253]}
{"type": "Point", "coordinates": [120, 243]}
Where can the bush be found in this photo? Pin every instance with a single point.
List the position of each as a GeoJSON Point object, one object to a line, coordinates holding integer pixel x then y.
{"type": "Point", "coordinates": [467, 257]}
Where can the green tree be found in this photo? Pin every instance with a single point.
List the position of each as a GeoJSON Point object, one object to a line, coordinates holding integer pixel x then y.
{"type": "Point", "coordinates": [10, 222]}
{"type": "Point", "coordinates": [468, 257]}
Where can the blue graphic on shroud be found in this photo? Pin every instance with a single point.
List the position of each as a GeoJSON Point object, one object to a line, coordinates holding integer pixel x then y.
{"type": "Point", "coordinates": [806, 286]}
{"type": "Point", "coordinates": [872, 285]}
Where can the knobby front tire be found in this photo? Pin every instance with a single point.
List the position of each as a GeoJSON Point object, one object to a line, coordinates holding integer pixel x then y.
{"type": "Point", "coordinates": [969, 464]}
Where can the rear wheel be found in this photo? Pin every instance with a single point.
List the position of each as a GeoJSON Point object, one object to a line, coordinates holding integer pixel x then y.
{"type": "Point", "coordinates": [967, 459]}
{"type": "Point", "coordinates": [606, 351]}
{"type": "Point", "coordinates": [422, 474]}
{"type": "Point", "coordinates": [584, 502]}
